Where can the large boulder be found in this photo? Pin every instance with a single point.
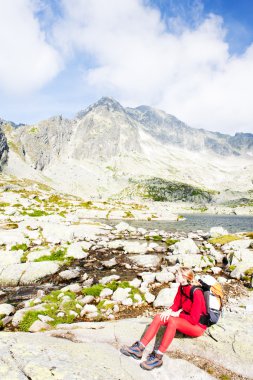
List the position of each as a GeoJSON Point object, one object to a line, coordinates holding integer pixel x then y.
{"type": "Point", "coordinates": [123, 226]}
{"type": "Point", "coordinates": [165, 297]}
{"type": "Point", "coordinates": [79, 250]}
{"type": "Point", "coordinates": [6, 309]}
{"type": "Point", "coordinates": [191, 261]}
{"type": "Point", "coordinates": [217, 231]}
{"type": "Point", "coordinates": [26, 273]}
{"type": "Point", "coordinates": [10, 257]}
{"type": "Point", "coordinates": [185, 246]}
{"type": "Point", "coordinates": [146, 261]}
{"type": "Point", "coordinates": [135, 247]}
{"type": "Point", "coordinates": [12, 237]}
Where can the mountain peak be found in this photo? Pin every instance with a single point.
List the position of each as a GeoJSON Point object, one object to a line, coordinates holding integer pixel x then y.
{"type": "Point", "coordinates": [107, 102]}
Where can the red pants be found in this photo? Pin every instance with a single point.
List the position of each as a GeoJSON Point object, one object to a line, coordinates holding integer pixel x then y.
{"type": "Point", "coordinates": [173, 324]}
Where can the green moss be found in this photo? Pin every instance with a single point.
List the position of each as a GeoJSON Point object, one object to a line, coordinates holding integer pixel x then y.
{"type": "Point", "coordinates": [101, 305]}
{"type": "Point", "coordinates": [16, 247]}
{"type": "Point", "coordinates": [157, 238]}
{"type": "Point", "coordinates": [29, 318]}
{"type": "Point", "coordinates": [249, 272]}
{"type": "Point", "coordinates": [128, 214]}
{"type": "Point", "coordinates": [4, 204]}
{"type": "Point", "coordinates": [87, 204]}
{"type": "Point", "coordinates": [58, 255]}
{"type": "Point", "coordinates": [10, 226]}
{"type": "Point", "coordinates": [33, 130]}
{"type": "Point", "coordinates": [70, 305]}
{"type": "Point", "coordinates": [171, 241]}
{"type": "Point", "coordinates": [232, 267]}
{"type": "Point", "coordinates": [224, 239]}
{"type": "Point", "coordinates": [35, 213]}
{"type": "Point", "coordinates": [225, 377]}
{"type": "Point", "coordinates": [94, 290]}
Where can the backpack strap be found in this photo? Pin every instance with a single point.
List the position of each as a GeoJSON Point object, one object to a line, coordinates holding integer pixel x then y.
{"type": "Point", "coordinates": [192, 290]}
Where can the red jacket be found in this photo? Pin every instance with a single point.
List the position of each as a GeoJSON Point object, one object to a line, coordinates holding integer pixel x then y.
{"type": "Point", "coordinates": [191, 310]}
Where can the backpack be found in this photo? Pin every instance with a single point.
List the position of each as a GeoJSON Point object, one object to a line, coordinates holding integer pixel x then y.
{"type": "Point", "coordinates": [213, 295]}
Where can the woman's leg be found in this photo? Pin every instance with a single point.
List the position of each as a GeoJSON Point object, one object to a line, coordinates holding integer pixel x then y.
{"type": "Point", "coordinates": [182, 325]}
{"type": "Point", "coordinates": [152, 330]}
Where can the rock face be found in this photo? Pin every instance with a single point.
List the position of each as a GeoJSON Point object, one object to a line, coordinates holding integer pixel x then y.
{"type": "Point", "coordinates": [170, 130]}
{"type": "Point", "coordinates": [3, 148]}
{"type": "Point", "coordinates": [43, 142]}
{"type": "Point", "coordinates": [106, 146]}
{"type": "Point", "coordinates": [29, 356]}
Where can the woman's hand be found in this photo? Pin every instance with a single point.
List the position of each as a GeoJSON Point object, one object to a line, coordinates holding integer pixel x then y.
{"type": "Point", "coordinates": [176, 313]}
{"type": "Point", "coordinates": [164, 316]}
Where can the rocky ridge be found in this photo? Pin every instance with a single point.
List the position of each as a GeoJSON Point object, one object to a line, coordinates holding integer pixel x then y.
{"type": "Point", "coordinates": [107, 147]}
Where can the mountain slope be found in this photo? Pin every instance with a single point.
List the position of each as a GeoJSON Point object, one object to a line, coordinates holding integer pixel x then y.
{"type": "Point", "coordinates": [107, 147]}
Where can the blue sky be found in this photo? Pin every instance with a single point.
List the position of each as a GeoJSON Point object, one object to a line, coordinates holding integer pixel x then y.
{"type": "Point", "coordinates": [191, 58]}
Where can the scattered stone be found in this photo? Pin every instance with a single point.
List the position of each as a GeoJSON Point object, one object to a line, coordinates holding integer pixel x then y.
{"type": "Point", "coordinates": [6, 309]}
{"type": "Point", "coordinates": [185, 246]}
{"type": "Point", "coordinates": [109, 263]}
{"type": "Point", "coordinates": [106, 280]}
{"type": "Point", "coordinates": [121, 294]}
{"type": "Point", "coordinates": [69, 274]}
{"type": "Point", "coordinates": [39, 326]}
{"type": "Point", "coordinates": [76, 288]}
{"type": "Point", "coordinates": [45, 318]}
{"type": "Point", "coordinates": [149, 297]}
{"type": "Point", "coordinates": [106, 293]}
{"type": "Point", "coordinates": [165, 277]}
{"type": "Point", "coordinates": [217, 232]}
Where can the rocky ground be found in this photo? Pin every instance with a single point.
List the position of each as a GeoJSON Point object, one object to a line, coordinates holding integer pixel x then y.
{"type": "Point", "coordinates": [63, 273]}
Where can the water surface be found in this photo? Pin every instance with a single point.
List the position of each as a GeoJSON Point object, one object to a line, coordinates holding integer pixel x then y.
{"type": "Point", "coordinates": [193, 222]}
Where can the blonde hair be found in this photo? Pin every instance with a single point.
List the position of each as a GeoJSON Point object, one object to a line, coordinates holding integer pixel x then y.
{"type": "Point", "coordinates": [188, 274]}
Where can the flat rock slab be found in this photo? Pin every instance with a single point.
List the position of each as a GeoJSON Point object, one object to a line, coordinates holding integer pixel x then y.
{"type": "Point", "coordinates": [233, 350]}
{"type": "Point", "coordinates": [39, 357]}
{"type": "Point", "coordinates": [26, 273]}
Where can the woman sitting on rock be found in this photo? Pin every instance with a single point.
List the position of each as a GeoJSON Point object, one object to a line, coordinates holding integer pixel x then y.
{"type": "Point", "coordinates": [184, 316]}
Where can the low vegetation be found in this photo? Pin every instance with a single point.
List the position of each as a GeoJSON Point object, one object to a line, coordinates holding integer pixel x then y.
{"type": "Point", "coordinates": [224, 239]}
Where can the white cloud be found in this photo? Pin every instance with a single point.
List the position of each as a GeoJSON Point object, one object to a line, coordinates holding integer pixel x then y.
{"type": "Point", "coordinates": [27, 61]}
{"type": "Point", "coordinates": [189, 74]}
{"type": "Point", "coordinates": [126, 50]}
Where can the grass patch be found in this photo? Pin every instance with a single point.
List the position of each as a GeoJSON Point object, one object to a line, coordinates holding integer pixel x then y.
{"type": "Point", "coordinates": [52, 305]}
{"type": "Point", "coordinates": [58, 255]}
{"type": "Point", "coordinates": [249, 272]}
{"type": "Point", "coordinates": [4, 204]}
{"type": "Point", "coordinates": [16, 247]}
{"type": "Point", "coordinates": [224, 239]}
{"type": "Point", "coordinates": [171, 241]}
{"type": "Point", "coordinates": [35, 213]}
{"type": "Point", "coordinates": [29, 318]}
{"type": "Point", "coordinates": [157, 238]}
{"type": "Point", "coordinates": [96, 289]}
{"type": "Point", "coordinates": [128, 214]}
{"type": "Point", "coordinates": [87, 204]}
{"type": "Point", "coordinates": [249, 235]}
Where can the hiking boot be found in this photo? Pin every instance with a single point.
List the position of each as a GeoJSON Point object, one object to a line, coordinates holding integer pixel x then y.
{"type": "Point", "coordinates": [153, 360]}
{"type": "Point", "coordinates": [136, 350]}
